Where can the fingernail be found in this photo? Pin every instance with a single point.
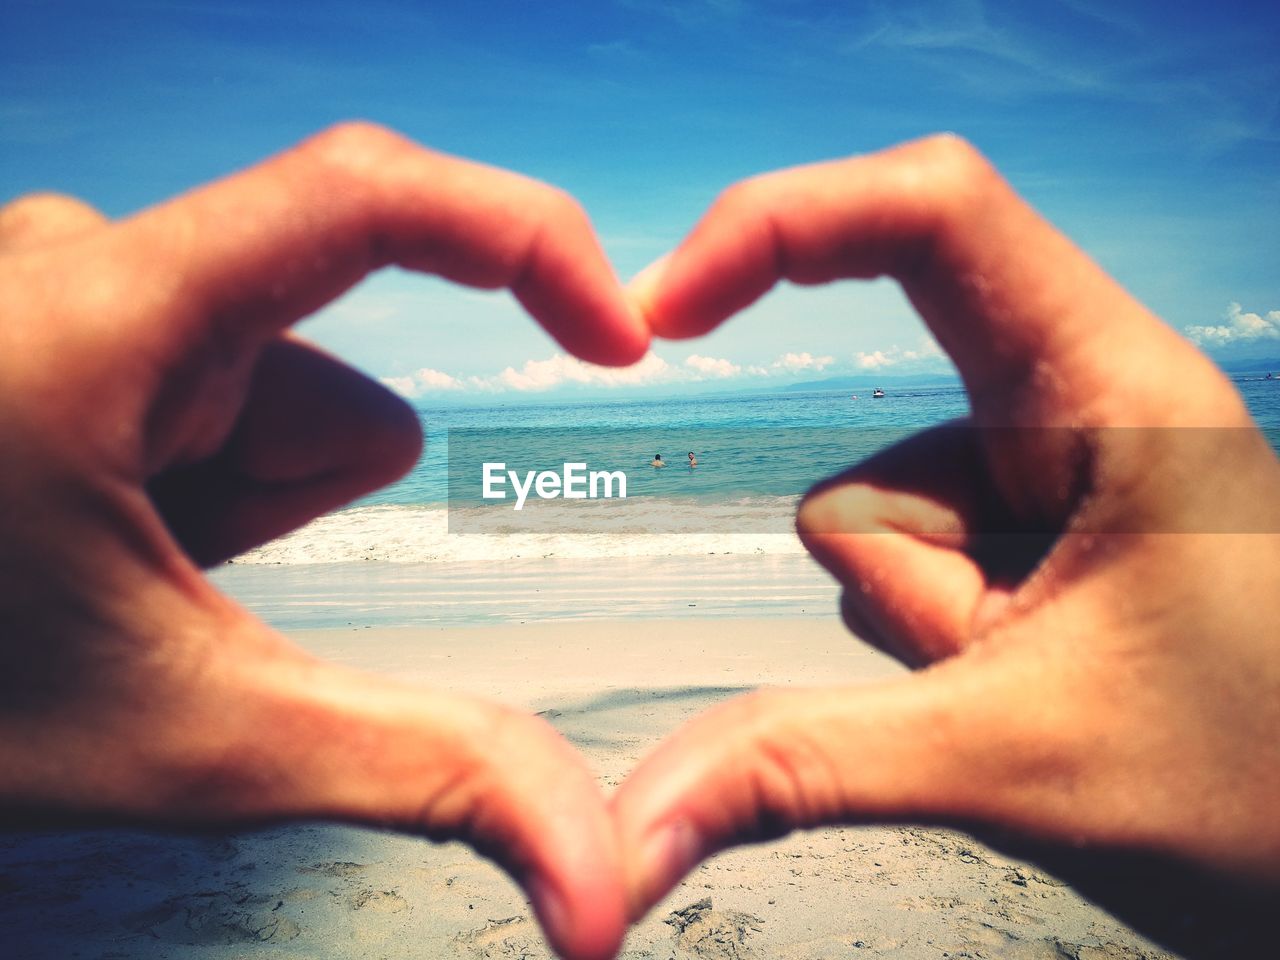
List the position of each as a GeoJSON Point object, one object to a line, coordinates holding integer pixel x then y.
{"type": "Point", "coordinates": [667, 857]}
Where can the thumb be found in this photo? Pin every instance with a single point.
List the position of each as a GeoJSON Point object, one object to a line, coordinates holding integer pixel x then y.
{"type": "Point", "coordinates": [311, 434]}
{"type": "Point", "coordinates": [927, 548]}
{"type": "Point", "coordinates": [221, 720]}
{"type": "Point", "coordinates": [354, 747]}
{"type": "Point", "coordinates": [935, 747]}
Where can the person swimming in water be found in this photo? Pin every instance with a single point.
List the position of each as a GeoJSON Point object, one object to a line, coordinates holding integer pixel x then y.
{"type": "Point", "coordinates": [693, 461]}
{"type": "Point", "coordinates": [657, 461]}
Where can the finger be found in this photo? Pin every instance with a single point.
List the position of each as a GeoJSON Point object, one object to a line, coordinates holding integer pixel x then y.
{"type": "Point", "coordinates": [253, 253]}
{"type": "Point", "coordinates": [233, 725]}
{"type": "Point", "coordinates": [450, 766]}
{"type": "Point", "coordinates": [43, 218]}
{"type": "Point", "coordinates": [917, 537]}
{"type": "Point", "coordinates": [313, 435]}
{"type": "Point", "coordinates": [1025, 314]}
{"type": "Point", "coordinates": [1022, 742]}
{"type": "Point", "coordinates": [937, 747]}
{"type": "Point", "coordinates": [502, 781]}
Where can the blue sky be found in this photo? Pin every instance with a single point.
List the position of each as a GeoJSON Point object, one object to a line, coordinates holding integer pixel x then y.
{"type": "Point", "coordinates": [1150, 132]}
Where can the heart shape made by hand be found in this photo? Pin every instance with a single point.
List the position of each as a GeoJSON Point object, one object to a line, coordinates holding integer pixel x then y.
{"type": "Point", "coordinates": [198, 427]}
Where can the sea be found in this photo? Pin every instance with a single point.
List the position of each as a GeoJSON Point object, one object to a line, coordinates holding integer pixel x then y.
{"type": "Point", "coordinates": [715, 539]}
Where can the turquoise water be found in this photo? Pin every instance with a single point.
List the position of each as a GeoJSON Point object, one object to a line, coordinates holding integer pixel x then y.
{"type": "Point", "coordinates": [803, 435]}
{"type": "Point", "coordinates": [425, 573]}
{"type": "Point", "coordinates": [775, 445]}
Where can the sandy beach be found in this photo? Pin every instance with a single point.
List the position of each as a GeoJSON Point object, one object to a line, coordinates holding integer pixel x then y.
{"type": "Point", "coordinates": [614, 689]}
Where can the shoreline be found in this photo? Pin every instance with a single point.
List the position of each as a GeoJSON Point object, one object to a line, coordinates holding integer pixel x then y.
{"type": "Point", "coordinates": [385, 593]}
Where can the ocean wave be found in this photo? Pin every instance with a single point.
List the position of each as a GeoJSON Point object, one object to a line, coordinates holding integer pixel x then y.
{"type": "Point", "coordinates": [421, 534]}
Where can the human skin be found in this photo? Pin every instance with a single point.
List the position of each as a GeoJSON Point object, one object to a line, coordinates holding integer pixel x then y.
{"type": "Point", "coordinates": [1093, 607]}
{"type": "Point", "coordinates": [1113, 713]}
{"type": "Point", "coordinates": [155, 415]}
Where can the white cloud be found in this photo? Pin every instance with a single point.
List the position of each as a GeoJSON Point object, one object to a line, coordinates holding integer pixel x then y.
{"type": "Point", "coordinates": [539, 375]}
{"type": "Point", "coordinates": [873, 361]}
{"type": "Point", "coordinates": [926, 351]}
{"type": "Point", "coordinates": [1107, 15]}
{"type": "Point", "coordinates": [988, 53]}
{"type": "Point", "coordinates": [712, 366]}
{"type": "Point", "coordinates": [436, 380]}
{"type": "Point", "coordinates": [795, 362]}
{"type": "Point", "coordinates": [1237, 327]}
{"type": "Point", "coordinates": [401, 385]}
{"type": "Point", "coordinates": [999, 57]}
{"type": "Point", "coordinates": [536, 376]}
{"type": "Point", "coordinates": [559, 370]}
{"type": "Point", "coordinates": [423, 381]}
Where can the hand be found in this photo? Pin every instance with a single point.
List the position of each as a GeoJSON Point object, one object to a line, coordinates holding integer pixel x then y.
{"type": "Point", "coordinates": [153, 410]}
{"type": "Point", "coordinates": [1096, 606]}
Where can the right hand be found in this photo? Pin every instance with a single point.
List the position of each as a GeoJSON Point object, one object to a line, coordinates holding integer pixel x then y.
{"type": "Point", "coordinates": [1097, 608]}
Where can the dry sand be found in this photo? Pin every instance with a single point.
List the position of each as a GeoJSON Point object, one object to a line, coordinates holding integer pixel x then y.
{"type": "Point", "coordinates": [614, 689]}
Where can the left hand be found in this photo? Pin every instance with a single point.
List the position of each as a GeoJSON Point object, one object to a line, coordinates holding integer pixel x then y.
{"type": "Point", "coordinates": [155, 414]}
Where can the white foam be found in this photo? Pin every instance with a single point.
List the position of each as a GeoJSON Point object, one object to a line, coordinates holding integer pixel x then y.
{"type": "Point", "coordinates": [419, 534]}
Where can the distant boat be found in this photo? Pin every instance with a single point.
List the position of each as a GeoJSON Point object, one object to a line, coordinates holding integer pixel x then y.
{"type": "Point", "coordinates": [877, 392]}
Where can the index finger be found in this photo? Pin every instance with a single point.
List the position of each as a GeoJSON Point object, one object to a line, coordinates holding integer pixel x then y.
{"type": "Point", "coordinates": [1011, 300]}
{"type": "Point", "coordinates": [246, 256]}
